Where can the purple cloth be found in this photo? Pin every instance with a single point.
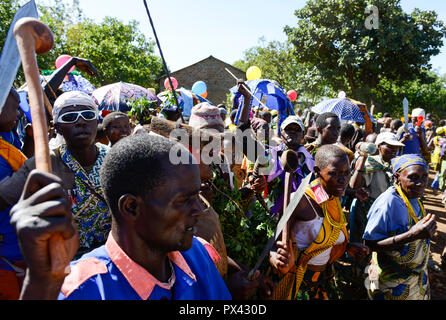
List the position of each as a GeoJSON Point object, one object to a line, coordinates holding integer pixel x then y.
{"type": "Point", "coordinates": [442, 149]}
{"type": "Point", "coordinates": [278, 171]}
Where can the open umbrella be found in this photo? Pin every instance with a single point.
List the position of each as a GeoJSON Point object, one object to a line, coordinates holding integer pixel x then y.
{"type": "Point", "coordinates": [272, 95]}
{"type": "Point", "coordinates": [343, 107]}
{"type": "Point", "coordinates": [114, 97]}
{"type": "Point", "coordinates": [361, 104]}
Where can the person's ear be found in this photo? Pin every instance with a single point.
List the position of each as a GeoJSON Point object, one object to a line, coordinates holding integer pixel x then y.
{"type": "Point", "coordinates": [128, 206]}
{"type": "Point", "coordinates": [317, 171]}
{"type": "Point", "coordinates": [57, 128]}
{"type": "Point", "coordinates": [396, 176]}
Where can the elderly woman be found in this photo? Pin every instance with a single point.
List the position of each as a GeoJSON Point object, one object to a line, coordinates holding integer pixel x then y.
{"type": "Point", "coordinates": [317, 232]}
{"type": "Point", "coordinates": [76, 161]}
{"type": "Point", "coordinates": [399, 232]}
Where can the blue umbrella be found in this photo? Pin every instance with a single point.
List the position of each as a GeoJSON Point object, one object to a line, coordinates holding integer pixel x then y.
{"type": "Point", "coordinates": [189, 100]}
{"type": "Point", "coordinates": [343, 107]}
{"type": "Point", "coordinates": [270, 93]}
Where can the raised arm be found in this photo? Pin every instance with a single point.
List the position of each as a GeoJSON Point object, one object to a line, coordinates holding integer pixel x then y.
{"type": "Point", "coordinates": [42, 212]}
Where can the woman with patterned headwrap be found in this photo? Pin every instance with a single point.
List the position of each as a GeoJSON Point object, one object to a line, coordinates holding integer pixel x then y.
{"type": "Point", "coordinates": [399, 232]}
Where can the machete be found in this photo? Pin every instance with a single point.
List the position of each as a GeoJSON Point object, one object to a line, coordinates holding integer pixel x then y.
{"type": "Point", "coordinates": [10, 57]}
{"type": "Point", "coordinates": [295, 199]}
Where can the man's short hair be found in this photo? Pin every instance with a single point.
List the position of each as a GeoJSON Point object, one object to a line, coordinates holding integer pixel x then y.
{"type": "Point", "coordinates": [327, 152]}
{"type": "Point", "coordinates": [265, 114]}
{"type": "Point", "coordinates": [136, 165]}
{"type": "Point", "coordinates": [321, 121]}
{"type": "Point", "coordinates": [15, 94]}
{"type": "Point", "coordinates": [109, 118]}
{"type": "Point", "coordinates": [347, 131]}
{"type": "Point", "coordinates": [397, 123]}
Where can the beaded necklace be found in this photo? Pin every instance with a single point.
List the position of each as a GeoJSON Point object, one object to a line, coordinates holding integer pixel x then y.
{"type": "Point", "coordinates": [412, 216]}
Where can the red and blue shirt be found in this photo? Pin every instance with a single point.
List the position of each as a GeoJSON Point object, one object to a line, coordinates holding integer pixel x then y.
{"type": "Point", "coordinates": [107, 273]}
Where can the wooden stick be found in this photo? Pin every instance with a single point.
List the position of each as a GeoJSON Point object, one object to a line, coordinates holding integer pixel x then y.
{"type": "Point", "coordinates": [34, 37]}
{"type": "Point", "coordinates": [290, 163]}
{"type": "Point", "coordinates": [247, 89]}
{"type": "Point", "coordinates": [286, 201]}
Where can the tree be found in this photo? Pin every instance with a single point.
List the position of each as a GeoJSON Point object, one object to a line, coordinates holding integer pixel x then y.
{"type": "Point", "coordinates": [119, 51]}
{"type": "Point", "coordinates": [7, 11]}
{"type": "Point", "coordinates": [430, 95]}
{"type": "Point", "coordinates": [332, 36]}
{"type": "Point", "coordinates": [277, 62]}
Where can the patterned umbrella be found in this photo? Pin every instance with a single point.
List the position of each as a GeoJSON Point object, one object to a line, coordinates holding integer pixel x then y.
{"type": "Point", "coordinates": [114, 97]}
{"type": "Point", "coordinates": [343, 107]}
{"type": "Point", "coordinates": [359, 104]}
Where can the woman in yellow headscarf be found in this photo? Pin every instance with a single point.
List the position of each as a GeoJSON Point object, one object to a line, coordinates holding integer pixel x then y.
{"type": "Point", "coordinates": [317, 232]}
{"type": "Point", "coordinates": [436, 144]}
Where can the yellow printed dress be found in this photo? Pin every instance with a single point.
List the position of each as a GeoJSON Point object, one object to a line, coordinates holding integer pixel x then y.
{"type": "Point", "coordinates": [288, 285]}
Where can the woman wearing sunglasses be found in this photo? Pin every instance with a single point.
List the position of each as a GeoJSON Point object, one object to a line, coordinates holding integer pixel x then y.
{"type": "Point", "coordinates": [76, 161]}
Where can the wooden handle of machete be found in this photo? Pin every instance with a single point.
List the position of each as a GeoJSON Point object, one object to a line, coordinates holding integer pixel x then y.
{"type": "Point", "coordinates": [286, 201]}
{"type": "Point", "coordinates": [290, 163]}
{"type": "Point", "coordinates": [32, 37]}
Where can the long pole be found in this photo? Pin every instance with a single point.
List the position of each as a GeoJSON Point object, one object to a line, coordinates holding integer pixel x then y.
{"type": "Point", "coordinates": [32, 37]}
{"type": "Point", "coordinates": [164, 61]}
{"type": "Point", "coordinates": [244, 86]}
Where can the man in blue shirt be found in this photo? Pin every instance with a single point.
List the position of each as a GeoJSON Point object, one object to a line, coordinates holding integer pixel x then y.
{"type": "Point", "coordinates": [11, 159]}
{"type": "Point", "coordinates": [151, 251]}
{"type": "Point", "coordinates": [414, 138]}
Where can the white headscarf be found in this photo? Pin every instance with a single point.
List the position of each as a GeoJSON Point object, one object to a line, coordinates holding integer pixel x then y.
{"type": "Point", "coordinates": [73, 98]}
{"type": "Point", "coordinates": [67, 99]}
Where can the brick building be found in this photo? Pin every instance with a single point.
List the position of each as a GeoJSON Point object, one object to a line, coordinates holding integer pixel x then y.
{"type": "Point", "coordinates": [212, 71]}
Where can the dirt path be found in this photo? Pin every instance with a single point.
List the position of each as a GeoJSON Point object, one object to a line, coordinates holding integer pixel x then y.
{"type": "Point", "coordinates": [432, 203]}
{"type": "Point", "coordinates": [437, 276]}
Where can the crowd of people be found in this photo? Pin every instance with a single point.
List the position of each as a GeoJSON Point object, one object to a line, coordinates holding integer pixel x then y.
{"type": "Point", "coordinates": [135, 225]}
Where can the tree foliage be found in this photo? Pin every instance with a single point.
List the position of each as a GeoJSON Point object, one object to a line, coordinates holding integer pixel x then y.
{"type": "Point", "coordinates": [331, 35]}
{"type": "Point", "coordinates": [119, 51]}
{"type": "Point", "coordinates": [276, 61]}
{"type": "Point", "coordinates": [429, 95]}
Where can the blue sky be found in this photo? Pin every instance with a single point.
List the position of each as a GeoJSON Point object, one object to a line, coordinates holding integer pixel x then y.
{"type": "Point", "coordinates": [191, 30]}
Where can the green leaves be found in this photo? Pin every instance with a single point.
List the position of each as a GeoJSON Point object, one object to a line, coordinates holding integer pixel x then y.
{"type": "Point", "coordinates": [118, 51]}
{"type": "Point", "coordinates": [331, 36]}
{"type": "Point", "coordinates": [142, 110]}
{"type": "Point", "coordinates": [244, 237]}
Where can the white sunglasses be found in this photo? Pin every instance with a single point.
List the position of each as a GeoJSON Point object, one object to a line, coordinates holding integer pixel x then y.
{"type": "Point", "coordinates": [72, 117]}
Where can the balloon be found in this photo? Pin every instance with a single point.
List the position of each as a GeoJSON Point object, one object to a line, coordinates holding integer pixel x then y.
{"type": "Point", "coordinates": [253, 73]}
{"type": "Point", "coordinates": [152, 90]}
{"type": "Point", "coordinates": [292, 94]}
{"type": "Point", "coordinates": [204, 95]}
{"type": "Point", "coordinates": [174, 83]}
{"type": "Point", "coordinates": [61, 60]}
{"type": "Point", "coordinates": [341, 95]}
{"type": "Point", "coordinates": [199, 88]}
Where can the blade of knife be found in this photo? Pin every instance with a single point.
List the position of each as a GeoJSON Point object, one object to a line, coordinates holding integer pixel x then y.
{"type": "Point", "coordinates": [295, 199]}
{"type": "Point", "coordinates": [10, 58]}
